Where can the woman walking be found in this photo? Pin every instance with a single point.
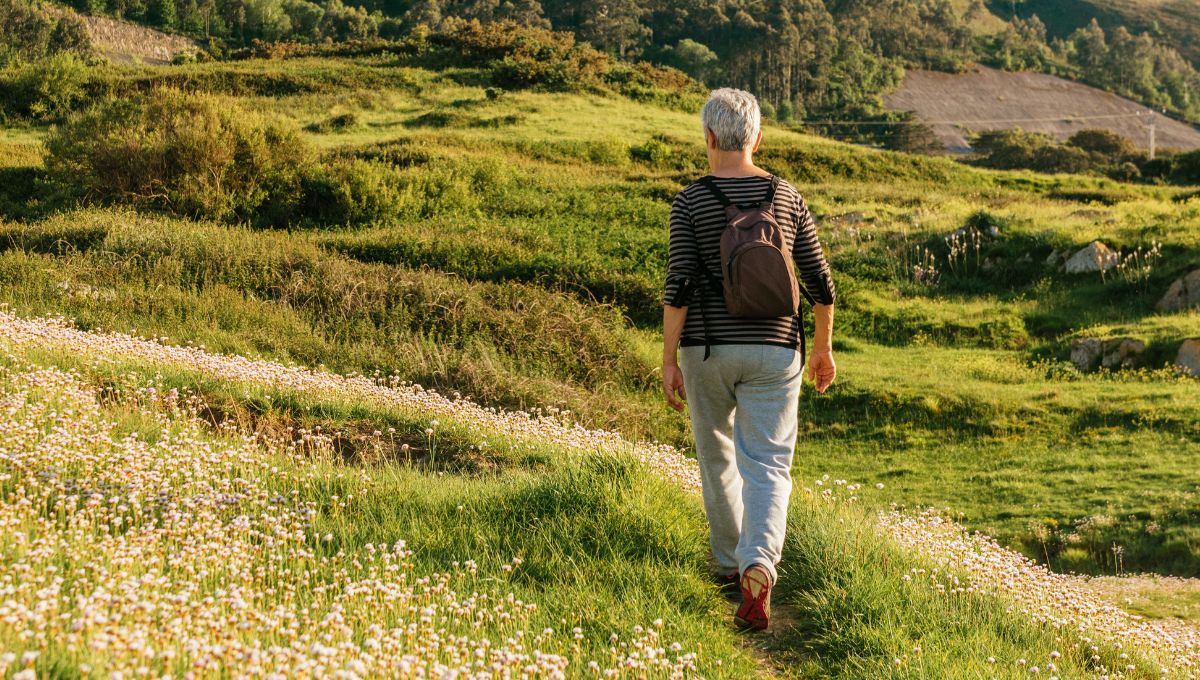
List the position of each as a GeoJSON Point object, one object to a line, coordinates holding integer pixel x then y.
{"type": "Point", "coordinates": [741, 240]}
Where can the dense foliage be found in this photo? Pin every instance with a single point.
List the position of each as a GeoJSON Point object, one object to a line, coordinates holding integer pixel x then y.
{"type": "Point", "coordinates": [1089, 150]}
{"type": "Point", "coordinates": [806, 58]}
{"type": "Point", "coordinates": [195, 155]}
{"type": "Point", "coordinates": [187, 154]}
{"type": "Point", "coordinates": [28, 31]}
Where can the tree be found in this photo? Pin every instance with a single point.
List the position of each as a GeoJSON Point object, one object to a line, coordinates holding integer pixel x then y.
{"type": "Point", "coordinates": [693, 58]}
{"type": "Point", "coordinates": [1090, 46]}
{"type": "Point", "coordinates": [92, 7]}
{"type": "Point", "coordinates": [161, 13]}
{"type": "Point", "coordinates": [616, 26]}
{"type": "Point", "coordinates": [305, 18]}
{"type": "Point", "coordinates": [70, 35]}
{"type": "Point", "coordinates": [525, 12]}
{"type": "Point", "coordinates": [266, 20]}
{"type": "Point", "coordinates": [424, 13]}
{"type": "Point", "coordinates": [24, 29]}
{"type": "Point", "coordinates": [914, 136]}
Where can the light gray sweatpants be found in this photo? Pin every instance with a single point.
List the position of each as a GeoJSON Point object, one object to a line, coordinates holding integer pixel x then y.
{"type": "Point", "coordinates": [743, 403]}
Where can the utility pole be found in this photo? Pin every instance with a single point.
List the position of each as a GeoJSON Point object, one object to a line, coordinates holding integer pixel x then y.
{"type": "Point", "coordinates": [1152, 140]}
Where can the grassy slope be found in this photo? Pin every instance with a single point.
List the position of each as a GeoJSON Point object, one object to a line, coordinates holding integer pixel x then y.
{"type": "Point", "coordinates": [605, 543]}
{"type": "Point", "coordinates": [511, 201]}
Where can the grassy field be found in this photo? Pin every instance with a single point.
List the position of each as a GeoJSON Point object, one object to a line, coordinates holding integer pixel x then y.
{"type": "Point", "coordinates": [521, 267]}
{"type": "Point", "coordinates": [567, 551]}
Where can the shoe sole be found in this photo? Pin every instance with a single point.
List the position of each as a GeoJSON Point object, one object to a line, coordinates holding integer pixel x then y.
{"type": "Point", "coordinates": [748, 597]}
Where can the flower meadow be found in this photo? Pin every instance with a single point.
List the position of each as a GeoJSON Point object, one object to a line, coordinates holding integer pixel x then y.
{"type": "Point", "coordinates": [137, 542]}
{"type": "Point", "coordinates": [189, 554]}
{"type": "Point", "coordinates": [977, 562]}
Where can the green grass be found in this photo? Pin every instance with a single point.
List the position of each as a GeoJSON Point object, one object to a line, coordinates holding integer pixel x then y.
{"type": "Point", "coordinates": [605, 542]}
{"type": "Point", "coordinates": [524, 264]}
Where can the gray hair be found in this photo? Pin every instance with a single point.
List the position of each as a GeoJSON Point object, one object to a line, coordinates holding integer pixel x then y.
{"type": "Point", "coordinates": [733, 116]}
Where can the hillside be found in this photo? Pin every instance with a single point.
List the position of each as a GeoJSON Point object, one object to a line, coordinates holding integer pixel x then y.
{"type": "Point", "coordinates": [407, 342]}
{"type": "Point", "coordinates": [1176, 22]}
{"type": "Point", "coordinates": [988, 99]}
{"type": "Point", "coordinates": [125, 42]}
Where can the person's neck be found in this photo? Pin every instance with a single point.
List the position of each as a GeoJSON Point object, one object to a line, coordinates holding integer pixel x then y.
{"type": "Point", "coordinates": [733, 164]}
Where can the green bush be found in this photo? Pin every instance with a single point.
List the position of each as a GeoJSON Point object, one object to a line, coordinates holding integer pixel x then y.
{"type": "Point", "coordinates": [348, 191]}
{"type": "Point", "coordinates": [1185, 168]}
{"type": "Point", "coordinates": [335, 123]}
{"type": "Point", "coordinates": [187, 154]}
{"type": "Point", "coordinates": [29, 32]}
{"type": "Point", "coordinates": [46, 89]}
{"type": "Point", "coordinates": [1105, 143]}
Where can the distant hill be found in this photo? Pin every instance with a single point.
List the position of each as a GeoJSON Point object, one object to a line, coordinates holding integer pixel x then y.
{"type": "Point", "coordinates": [1174, 22]}
{"type": "Point", "coordinates": [1036, 102]}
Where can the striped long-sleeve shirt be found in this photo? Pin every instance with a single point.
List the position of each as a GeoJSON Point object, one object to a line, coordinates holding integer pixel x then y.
{"type": "Point", "coordinates": [697, 220]}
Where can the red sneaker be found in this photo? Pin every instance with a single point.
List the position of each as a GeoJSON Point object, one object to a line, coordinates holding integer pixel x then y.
{"type": "Point", "coordinates": [755, 611]}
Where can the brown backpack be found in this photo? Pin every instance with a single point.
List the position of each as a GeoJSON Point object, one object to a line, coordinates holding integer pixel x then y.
{"type": "Point", "coordinates": [758, 276]}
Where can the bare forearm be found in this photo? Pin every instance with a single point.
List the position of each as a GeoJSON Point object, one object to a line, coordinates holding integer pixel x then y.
{"type": "Point", "coordinates": [673, 318]}
{"type": "Point", "coordinates": [823, 335]}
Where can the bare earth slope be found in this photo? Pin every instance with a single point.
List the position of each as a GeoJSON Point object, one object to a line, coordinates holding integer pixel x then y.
{"type": "Point", "coordinates": [986, 99]}
{"type": "Point", "coordinates": [126, 43]}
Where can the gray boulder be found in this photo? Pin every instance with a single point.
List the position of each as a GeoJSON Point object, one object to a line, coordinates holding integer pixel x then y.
{"type": "Point", "coordinates": [1121, 353]}
{"type": "Point", "coordinates": [1089, 354]}
{"type": "Point", "coordinates": [1095, 257]}
{"type": "Point", "coordinates": [1086, 354]}
{"type": "Point", "coordinates": [1184, 293]}
{"type": "Point", "coordinates": [1188, 358]}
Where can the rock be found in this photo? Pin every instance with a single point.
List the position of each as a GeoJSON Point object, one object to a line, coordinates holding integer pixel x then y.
{"type": "Point", "coordinates": [1086, 354]}
{"type": "Point", "coordinates": [1188, 358]}
{"type": "Point", "coordinates": [1184, 293]}
{"type": "Point", "coordinates": [1053, 258]}
{"type": "Point", "coordinates": [1094, 258]}
{"type": "Point", "coordinates": [1121, 353]}
{"type": "Point", "coordinates": [1027, 258]}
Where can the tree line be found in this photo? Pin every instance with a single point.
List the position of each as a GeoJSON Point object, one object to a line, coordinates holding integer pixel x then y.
{"type": "Point", "coordinates": [804, 58]}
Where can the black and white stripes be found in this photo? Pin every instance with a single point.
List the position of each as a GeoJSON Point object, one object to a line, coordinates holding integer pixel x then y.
{"type": "Point", "coordinates": [697, 221]}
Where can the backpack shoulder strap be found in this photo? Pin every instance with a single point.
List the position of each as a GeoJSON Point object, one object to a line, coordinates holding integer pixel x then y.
{"type": "Point", "coordinates": [711, 185]}
{"type": "Point", "coordinates": [771, 192]}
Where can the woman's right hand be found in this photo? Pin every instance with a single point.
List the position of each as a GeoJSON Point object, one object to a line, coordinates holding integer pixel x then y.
{"type": "Point", "coordinates": [673, 388]}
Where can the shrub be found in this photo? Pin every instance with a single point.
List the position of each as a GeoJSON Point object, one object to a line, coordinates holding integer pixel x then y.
{"type": "Point", "coordinates": [348, 191]}
{"type": "Point", "coordinates": [335, 123]}
{"type": "Point", "coordinates": [1185, 168]}
{"type": "Point", "coordinates": [1105, 143]}
{"type": "Point", "coordinates": [46, 89]}
{"type": "Point", "coordinates": [1008, 149]}
{"type": "Point", "coordinates": [1059, 158]}
{"type": "Point", "coordinates": [654, 151]}
{"type": "Point", "coordinates": [1125, 172]}
{"type": "Point", "coordinates": [192, 155]}
{"type": "Point", "coordinates": [522, 57]}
